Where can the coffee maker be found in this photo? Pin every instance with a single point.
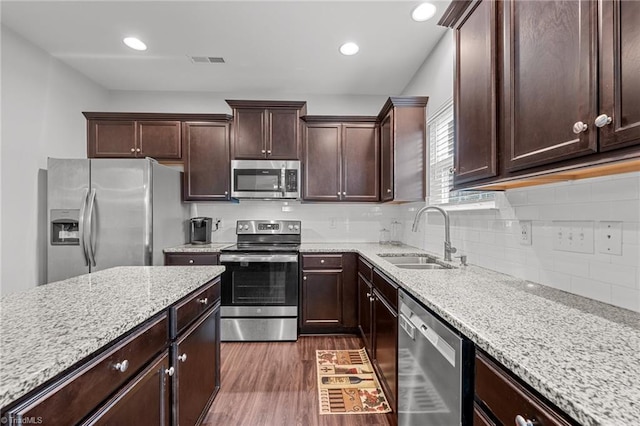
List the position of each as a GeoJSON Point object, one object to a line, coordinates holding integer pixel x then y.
{"type": "Point", "coordinates": [200, 230]}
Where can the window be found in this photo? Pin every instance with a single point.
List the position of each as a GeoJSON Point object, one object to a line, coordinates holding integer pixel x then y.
{"type": "Point", "coordinates": [440, 179]}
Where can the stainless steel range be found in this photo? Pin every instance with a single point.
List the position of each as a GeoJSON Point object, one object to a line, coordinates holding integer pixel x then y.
{"type": "Point", "coordinates": [260, 283]}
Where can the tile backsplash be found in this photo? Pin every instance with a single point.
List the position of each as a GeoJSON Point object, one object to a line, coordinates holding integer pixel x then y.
{"type": "Point", "coordinates": [578, 211]}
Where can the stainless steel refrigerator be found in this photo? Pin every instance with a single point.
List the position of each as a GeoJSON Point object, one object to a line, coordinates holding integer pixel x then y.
{"type": "Point", "coordinates": [111, 212]}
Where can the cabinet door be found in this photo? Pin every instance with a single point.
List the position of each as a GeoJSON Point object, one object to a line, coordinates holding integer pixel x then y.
{"type": "Point", "coordinates": [111, 138]}
{"type": "Point", "coordinates": [197, 369]}
{"type": "Point", "coordinates": [283, 142]}
{"type": "Point", "coordinates": [385, 345]}
{"type": "Point", "coordinates": [360, 159]}
{"type": "Point", "coordinates": [620, 73]}
{"type": "Point", "coordinates": [322, 298]}
{"type": "Point", "coordinates": [185, 259]}
{"type": "Point", "coordinates": [386, 158]}
{"type": "Point", "coordinates": [475, 95]}
{"type": "Point", "coordinates": [145, 398]}
{"type": "Point", "coordinates": [365, 293]}
{"type": "Point", "coordinates": [550, 81]}
{"type": "Point", "coordinates": [322, 165]}
{"type": "Point", "coordinates": [250, 132]}
{"type": "Point", "coordinates": [159, 139]}
{"type": "Point", "coordinates": [480, 418]}
{"type": "Point", "coordinates": [206, 161]}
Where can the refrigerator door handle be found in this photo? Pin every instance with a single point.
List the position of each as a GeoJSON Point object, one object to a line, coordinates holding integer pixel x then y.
{"type": "Point", "coordinates": [83, 208]}
{"type": "Point", "coordinates": [92, 201]}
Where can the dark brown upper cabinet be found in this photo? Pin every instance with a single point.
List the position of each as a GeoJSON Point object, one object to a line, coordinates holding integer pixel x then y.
{"type": "Point", "coordinates": [341, 158]}
{"type": "Point", "coordinates": [266, 129]}
{"type": "Point", "coordinates": [619, 113]}
{"type": "Point", "coordinates": [476, 140]}
{"type": "Point", "coordinates": [402, 124]}
{"type": "Point", "coordinates": [545, 91]}
{"type": "Point", "coordinates": [207, 175]}
{"type": "Point", "coordinates": [550, 91]}
{"type": "Point", "coordinates": [116, 135]}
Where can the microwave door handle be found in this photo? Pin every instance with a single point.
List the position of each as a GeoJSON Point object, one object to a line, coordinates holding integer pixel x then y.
{"type": "Point", "coordinates": [283, 185]}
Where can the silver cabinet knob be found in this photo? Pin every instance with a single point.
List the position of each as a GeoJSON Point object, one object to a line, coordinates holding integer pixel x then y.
{"type": "Point", "coordinates": [452, 170]}
{"type": "Point", "coordinates": [204, 301]}
{"type": "Point", "coordinates": [182, 357]}
{"type": "Point", "coordinates": [602, 120]}
{"type": "Point", "coordinates": [321, 260]}
{"type": "Point", "coordinates": [133, 150]}
{"type": "Point", "coordinates": [263, 151]}
{"type": "Point", "coordinates": [579, 127]}
{"type": "Point", "coordinates": [389, 191]}
{"type": "Point", "coordinates": [226, 192]}
{"type": "Point", "coordinates": [304, 278]}
{"type": "Point", "coordinates": [122, 366]}
{"type": "Point", "coordinates": [521, 421]}
{"type": "Point", "coordinates": [269, 151]}
{"type": "Point", "coordinates": [190, 260]}
{"type": "Point", "coordinates": [338, 193]}
{"type": "Point", "coordinates": [372, 298]}
{"type": "Point", "coordinates": [368, 294]}
{"type": "Point", "coordinates": [170, 371]}
{"type": "Point", "coordinates": [344, 193]}
{"type": "Point", "coordinates": [137, 149]}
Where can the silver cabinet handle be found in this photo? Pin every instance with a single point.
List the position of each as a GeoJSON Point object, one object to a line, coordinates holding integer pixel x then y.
{"type": "Point", "coordinates": [133, 150]}
{"type": "Point", "coordinates": [190, 260]}
{"type": "Point", "coordinates": [122, 366]}
{"type": "Point", "coordinates": [521, 421]}
{"type": "Point", "coordinates": [170, 371]}
{"type": "Point", "coordinates": [182, 357]}
{"type": "Point", "coordinates": [579, 127]}
{"type": "Point", "coordinates": [602, 120]}
{"type": "Point", "coordinates": [204, 301]}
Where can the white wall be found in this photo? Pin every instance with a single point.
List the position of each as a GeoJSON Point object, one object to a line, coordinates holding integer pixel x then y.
{"type": "Point", "coordinates": [490, 238]}
{"type": "Point", "coordinates": [42, 101]}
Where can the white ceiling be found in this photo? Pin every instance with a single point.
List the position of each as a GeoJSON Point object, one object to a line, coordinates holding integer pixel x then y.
{"type": "Point", "coordinates": [268, 46]}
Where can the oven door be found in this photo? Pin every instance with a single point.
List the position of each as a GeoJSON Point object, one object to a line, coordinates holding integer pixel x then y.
{"type": "Point", "coordinates": [260, 280]}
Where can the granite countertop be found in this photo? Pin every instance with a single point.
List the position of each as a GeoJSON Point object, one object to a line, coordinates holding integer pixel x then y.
{"type": "Point", "coordinates": [198, 248]}
{"type": "Point", "coordinates": [45, 330]}
{"type": "Point", "coordinates": [581, 354]}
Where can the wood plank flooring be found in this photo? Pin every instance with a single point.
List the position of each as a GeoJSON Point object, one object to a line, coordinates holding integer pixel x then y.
{"type": "Point", "coordinates": [274, 383]}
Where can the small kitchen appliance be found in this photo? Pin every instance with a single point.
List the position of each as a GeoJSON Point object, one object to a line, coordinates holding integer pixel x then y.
{"type": "Point", "coordinates": [200, 230]}
{"type": "Point", "coordinates": [265, 179]}
{"type": "Point", "coordinates": [260, 282]}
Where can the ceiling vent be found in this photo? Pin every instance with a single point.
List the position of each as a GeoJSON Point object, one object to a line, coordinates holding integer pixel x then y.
{"type": "Point", "coordinates": [206, 60]}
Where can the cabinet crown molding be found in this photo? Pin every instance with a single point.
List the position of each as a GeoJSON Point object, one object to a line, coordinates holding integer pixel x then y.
{"type": "Point", "coordinates": [339, 118]}
{"type": "Point", "coordinates": [91, 115]}
{"type": "Point", "coordinates": [234, 103]}
{"type": "Point", "coordinates": [402, 101]}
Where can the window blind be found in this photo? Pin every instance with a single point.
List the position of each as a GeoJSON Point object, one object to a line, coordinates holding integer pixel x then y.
{"type": "Point", "coordinates": [441, 145]}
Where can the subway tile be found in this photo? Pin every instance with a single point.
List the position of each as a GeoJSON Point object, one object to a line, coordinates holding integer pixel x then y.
{"type": "Point", "coordinates": [625, 298]}
{"type": "Point", "coordinates": [542, 195]}
{"type": "Point", "coordinates": [572, 266]}
{"type": "Point", "coordinates": [616, 189]}
{"type": "Point", "coordinates": [621, 275]}
{"type": "Point", "coordinates": [528, 212]}
{"type": "Point", "coordinates": [517, 197]}
{"type": "Point", "coordinates": [624, 210]}
{"type": "Point", "coordinates": [554, 279]}
{"type": "Point", "coordinates": [593, 289]}
{"type": "Point", "coordinates": [573, 192]}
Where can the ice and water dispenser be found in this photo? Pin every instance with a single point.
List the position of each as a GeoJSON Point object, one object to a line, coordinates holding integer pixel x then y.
{"type": "Point", "coordinates": [64, 227]}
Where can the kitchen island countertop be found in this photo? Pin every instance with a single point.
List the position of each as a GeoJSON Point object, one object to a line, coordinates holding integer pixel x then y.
{"type": "Point", "coordinates": [581, 354]}
{"type": "Point", "coordinates": [198, 248]}
{"type": "Point", "coordinates": [47, 329]}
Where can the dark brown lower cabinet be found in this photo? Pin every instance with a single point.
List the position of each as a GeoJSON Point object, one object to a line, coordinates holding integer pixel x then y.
{"type": "Point", "coordinates": [328, 296]}
{"type": "Point", "coordinates": [506, 398]}
{"type": "Point", "coordinates": [378, 325]}
{"type": "Point", "coordinates": [186, 259]}
{"type": "Point", "coordinates": [145, 399]}
{"type": "Point", "coordinates": [480, 418]}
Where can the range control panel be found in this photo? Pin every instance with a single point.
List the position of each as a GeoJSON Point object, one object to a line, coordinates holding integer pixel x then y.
{"type": "Point", "coordinates": [254, 227]}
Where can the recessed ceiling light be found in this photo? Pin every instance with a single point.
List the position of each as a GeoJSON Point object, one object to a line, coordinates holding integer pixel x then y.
{"type": "Point", "coordinates": [423, 12]}
{"type": "Point", "coordinates": [349, 49]}
{"type": "Point", "coordinates": [134, 43]}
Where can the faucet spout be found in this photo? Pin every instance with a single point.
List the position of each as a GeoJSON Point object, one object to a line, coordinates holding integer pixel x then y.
{"type": "Point", "coordinates": [448, 248]}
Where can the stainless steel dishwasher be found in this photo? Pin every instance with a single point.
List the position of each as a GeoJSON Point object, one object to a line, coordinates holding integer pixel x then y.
{"type": "Point", "coordinates": [434, 369]}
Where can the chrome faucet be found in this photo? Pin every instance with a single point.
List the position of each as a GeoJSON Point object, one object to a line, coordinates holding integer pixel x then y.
{"type": "Point", "coordinates": [448, 248]}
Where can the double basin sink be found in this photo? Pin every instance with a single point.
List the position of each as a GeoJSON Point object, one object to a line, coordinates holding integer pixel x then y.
{"type": "Point", "coordinates": [414, 262]}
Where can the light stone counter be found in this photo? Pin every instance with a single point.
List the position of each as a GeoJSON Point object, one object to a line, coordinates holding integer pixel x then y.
{"type": "Point", "coordinates": [198, 248]}
{"type": "Point", "coordinates": [45, 330]}
{"type": "Point", "coordinates": [581, 354]}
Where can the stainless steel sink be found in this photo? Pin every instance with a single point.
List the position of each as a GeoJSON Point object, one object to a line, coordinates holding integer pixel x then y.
{"type": "Point", "coordinates": [414, 262]}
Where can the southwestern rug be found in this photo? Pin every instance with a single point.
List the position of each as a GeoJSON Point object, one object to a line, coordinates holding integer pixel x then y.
{"type": "Point", "coordinates": [347, 383]}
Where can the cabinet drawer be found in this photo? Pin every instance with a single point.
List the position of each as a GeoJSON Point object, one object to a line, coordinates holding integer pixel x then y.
{"type": "Point", "coordinates": [75, 396]}
{"type": "Point", "coordinates": [507, 398]}
{"type": "Point", "coordinates": [365, 269]}
{"type": "Point", "coordinates": [195, 304]}
{"type": "Point", "coordinates": [322, 261]}
{"type": "Point", "coordinates": [173, 259]}
{"type": "Point", "coordinates": [387, 288]}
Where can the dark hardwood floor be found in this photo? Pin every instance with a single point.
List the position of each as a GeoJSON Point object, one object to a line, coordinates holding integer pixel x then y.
{"type": "Point", "coordinates": [274, 383]}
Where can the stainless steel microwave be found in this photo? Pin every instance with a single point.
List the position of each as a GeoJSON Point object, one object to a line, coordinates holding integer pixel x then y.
{"type": "Point", "coordinates": [265, 179]}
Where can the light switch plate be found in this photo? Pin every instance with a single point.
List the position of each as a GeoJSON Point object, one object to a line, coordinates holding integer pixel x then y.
{"type": "Point", "coordinates": [610, 238]}
{"type": "Point", "coordinates": [571, 236]}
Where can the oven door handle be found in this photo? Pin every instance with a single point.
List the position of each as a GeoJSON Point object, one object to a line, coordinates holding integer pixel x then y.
{"type": "Point", "coordinates": [259, 258]}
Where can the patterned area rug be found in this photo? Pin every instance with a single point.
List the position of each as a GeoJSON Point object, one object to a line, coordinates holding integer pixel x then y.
{"type": "Point", "coordinates": [347, 383]}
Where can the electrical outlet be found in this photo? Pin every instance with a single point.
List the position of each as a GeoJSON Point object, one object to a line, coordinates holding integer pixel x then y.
{"type": "Point", "coordinates": [525, 233]}
{"type": "Point", "coordinates": [573, 236]}
{"type": "Point", "coordinates": [610, 238]}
